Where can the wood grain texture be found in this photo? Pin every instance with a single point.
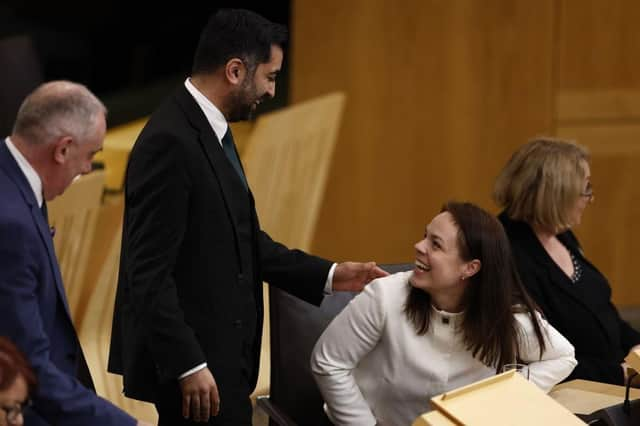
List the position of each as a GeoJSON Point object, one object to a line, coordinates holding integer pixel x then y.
{"type": "Point", "coordinates": [440, 93]}
{"type": "Point", "coordinates": [73, 216]}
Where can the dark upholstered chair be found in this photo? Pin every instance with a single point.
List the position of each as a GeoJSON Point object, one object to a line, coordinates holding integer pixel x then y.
{"type": "Point", "coordinates": [295, 327]}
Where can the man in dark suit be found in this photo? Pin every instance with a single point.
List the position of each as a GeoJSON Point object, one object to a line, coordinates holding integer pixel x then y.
{"type": "Point", "coordinates": [58, 129]}
{"type": "Point", "coordinates": [188, 316]}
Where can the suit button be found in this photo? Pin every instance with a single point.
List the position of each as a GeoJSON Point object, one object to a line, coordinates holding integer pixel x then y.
{"type": "Point", "coordinates": [240, 278]}
{"type": "Point", "coordinates": [237, 323]}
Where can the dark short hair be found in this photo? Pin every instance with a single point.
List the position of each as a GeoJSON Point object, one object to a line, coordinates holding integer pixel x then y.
{"type": "Point", "coordinates": [236, 33]}
{"type": "Point", "coordinates": [12, 365]}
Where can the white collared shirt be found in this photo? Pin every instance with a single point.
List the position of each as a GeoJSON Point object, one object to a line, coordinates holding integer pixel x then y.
{"type": "Point", "coordinates": [214, 115]}
{"type": "Point", "coordinates": [29, 172]}
{"type": "Point", "coordinates": [219, 124]}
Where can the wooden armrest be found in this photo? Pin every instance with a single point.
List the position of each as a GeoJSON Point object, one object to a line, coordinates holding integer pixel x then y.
{"type": "Point", "coordinates": [274, 412]}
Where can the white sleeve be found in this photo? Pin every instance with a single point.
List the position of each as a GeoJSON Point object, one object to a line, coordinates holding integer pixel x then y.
{"type": "Point", "coordinates": [558, 360]}
{"type": "Point", "coordinates": [350, 336]}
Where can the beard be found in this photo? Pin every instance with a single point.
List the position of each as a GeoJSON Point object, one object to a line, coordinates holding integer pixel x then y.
{"type": "Point", "coordinates": [242, 104]}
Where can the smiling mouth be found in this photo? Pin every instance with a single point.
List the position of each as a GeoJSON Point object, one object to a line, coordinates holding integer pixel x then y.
{"type": "Point", "coordinates": [422, 266]}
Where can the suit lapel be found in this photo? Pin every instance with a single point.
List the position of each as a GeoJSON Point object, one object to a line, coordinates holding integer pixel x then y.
{"type": "Point", "coordinates": [233, 190]}
{"type": "Point", "coordinates": [8, 163]}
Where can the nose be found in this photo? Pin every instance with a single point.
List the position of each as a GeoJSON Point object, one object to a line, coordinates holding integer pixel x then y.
{"type": "Point", "coordinates": [421, 246]}
{"type": "Point", "coordinates": [271, 90]}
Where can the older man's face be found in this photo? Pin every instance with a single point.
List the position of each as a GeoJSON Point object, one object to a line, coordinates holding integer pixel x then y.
{"type": "Point", "coordinates": [78, 157]}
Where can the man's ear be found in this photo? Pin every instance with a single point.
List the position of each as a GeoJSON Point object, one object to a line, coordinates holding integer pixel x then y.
{"type": "Point", "coordinates": [61, 149]}
{"type": "Point", "coordinates": [235, 71]}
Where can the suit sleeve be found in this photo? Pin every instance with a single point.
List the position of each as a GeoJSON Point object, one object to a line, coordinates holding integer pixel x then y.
{"type": "Point", "coordinates": [294, 271]}
{"type": "Point", "coordinates": [628, 335]}
{"type": "Point", "coordinates": [351, 335]}
{"type": "Point", "coordinates": [157, 191]}
{"type": "Point", "coordinates": [59, 397]}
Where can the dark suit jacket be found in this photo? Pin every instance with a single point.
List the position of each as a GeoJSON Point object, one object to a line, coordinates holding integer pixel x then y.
{"type": "Point", "coordinates": [34, 312]}
{"type": "Point", "coordinates": [193, 261]}
{"type": "Point", "coordinates": [587, 318]}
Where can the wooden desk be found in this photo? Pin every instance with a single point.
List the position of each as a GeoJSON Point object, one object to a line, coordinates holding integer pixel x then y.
{"type": "Point", "coordinates": [585, 397]}
{"type": "Point", "coordinates": [578, 396]}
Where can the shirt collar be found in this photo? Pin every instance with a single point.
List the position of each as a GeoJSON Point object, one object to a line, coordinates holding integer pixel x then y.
{"type": "Point", "coordinates": [214, 115]}
{"type": "Point", "coordinates": [29, 172]}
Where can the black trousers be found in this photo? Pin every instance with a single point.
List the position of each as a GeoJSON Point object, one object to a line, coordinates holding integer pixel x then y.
{"type": "Point", "coordinates": [235, 408]}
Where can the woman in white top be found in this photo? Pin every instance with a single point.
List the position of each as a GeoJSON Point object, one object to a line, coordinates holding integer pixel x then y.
{"type": "Point", "coordinates": [458, 317]}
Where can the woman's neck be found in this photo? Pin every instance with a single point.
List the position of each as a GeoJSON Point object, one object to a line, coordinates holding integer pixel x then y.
{"type": "Point", "coordinates": [447, 302]}
{"type": "Point", "coordinates": [545, 236]}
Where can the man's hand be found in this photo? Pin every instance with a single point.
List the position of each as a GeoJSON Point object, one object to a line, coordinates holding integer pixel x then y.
{"type": "Point", "coordinates": [200, 399]}
{"type": "Point", "coordinates": [143, 423]}
{"type": "Point", "coordinates": [353, 276]}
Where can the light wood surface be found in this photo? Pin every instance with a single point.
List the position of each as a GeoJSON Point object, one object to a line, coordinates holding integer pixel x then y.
{"type": "Point", "coordinates": [287, 161]}
{"type": "Point", "coordinates": [115, 152]}
{"type": "Point", "coordinates": [441, 93]}
{"type": "Point", "coordinates": [95, 330]}
{"type": "Point", "coordinates": [73, 216]}
{"type": "Point", "coordinates": [120, 140]}
{"type": "Point", "coordinates": [585, 397]}
{"type": "Point", "coordinates": [505, 399]}
{"type": "Point", "coordinates": [577, 396]}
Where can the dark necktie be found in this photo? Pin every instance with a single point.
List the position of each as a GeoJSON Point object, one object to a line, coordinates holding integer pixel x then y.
{"type": "Point", "coordinates": [230, 151]}
{"type": "Point", "coordinates": [45, 213]}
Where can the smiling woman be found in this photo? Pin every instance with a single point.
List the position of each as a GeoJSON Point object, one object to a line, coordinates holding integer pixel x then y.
{"type": "Point", "coordinates": [458, 317]}
{"type": "Point", "coordinates": [17, 380]}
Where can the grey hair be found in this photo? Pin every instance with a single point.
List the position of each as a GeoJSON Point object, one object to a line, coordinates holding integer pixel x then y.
{"type": "Point", "coordinates": [57, 109]}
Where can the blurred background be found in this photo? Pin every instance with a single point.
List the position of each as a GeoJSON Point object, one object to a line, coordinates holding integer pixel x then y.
{"type": "Point", "coordinates": [439, 93]}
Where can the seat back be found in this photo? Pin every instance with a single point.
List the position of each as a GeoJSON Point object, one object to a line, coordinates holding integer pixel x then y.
{"type": "Point", "coordinates": [287, 160]}
{"type": "Point", "coordinates": [95, 330]}
{"type": "Point", "coordinates": [295, 328]}
{"type": "Point", "coordinates": [73, 217]}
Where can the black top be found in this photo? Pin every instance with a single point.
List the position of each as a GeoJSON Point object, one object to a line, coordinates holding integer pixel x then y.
{"type": "Point", "coordinates": [580, 309]}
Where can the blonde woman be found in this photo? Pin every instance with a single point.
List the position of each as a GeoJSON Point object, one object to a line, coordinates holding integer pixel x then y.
{"type": "Point", "coordinates": [544, 189]}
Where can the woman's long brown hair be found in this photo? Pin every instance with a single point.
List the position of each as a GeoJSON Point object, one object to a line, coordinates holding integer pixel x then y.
{"type": "Point", "coordinates": [493, 295]}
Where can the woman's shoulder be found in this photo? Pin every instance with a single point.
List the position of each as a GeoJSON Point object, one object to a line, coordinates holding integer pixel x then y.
{"type": "Point", "coordinates": [390, 287]}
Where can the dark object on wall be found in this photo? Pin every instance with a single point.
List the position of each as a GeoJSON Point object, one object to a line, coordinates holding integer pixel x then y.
{"type": "Point", "coordinates": [21, 73]}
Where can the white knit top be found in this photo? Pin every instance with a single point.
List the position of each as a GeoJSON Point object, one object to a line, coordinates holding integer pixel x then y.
{"type": "Point", "coordinates": [372, 367]}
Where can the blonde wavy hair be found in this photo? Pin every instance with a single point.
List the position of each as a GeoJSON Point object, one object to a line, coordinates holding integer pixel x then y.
{"type": "Point", "coordinates": [542, 181]}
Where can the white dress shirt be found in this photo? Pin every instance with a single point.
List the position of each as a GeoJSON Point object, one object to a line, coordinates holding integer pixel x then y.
{"type": "Point", "coordinates": [219, 125]}
{"type": "Point", "coordinates": [29, 172]}
{"type": "Point", "coordinates": [372, 367]}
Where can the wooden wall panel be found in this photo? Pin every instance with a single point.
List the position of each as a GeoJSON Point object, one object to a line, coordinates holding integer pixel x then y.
{"type": "Point", "coordinates": [598, 44]}
{"type": "Point", "coordinates": [438, 95]}
{"type": "Point", "coordinates": [598, 105]}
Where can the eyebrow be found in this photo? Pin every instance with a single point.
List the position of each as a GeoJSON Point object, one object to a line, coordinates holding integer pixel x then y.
{"type": "Point", "coordinates": [433, 236]}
